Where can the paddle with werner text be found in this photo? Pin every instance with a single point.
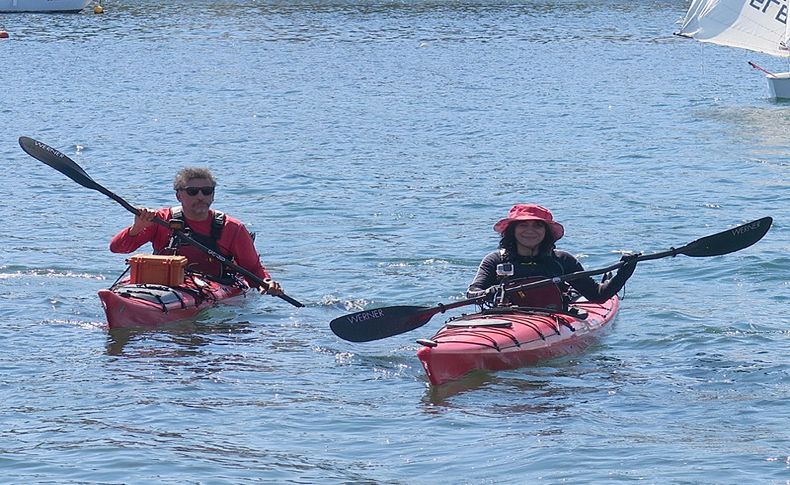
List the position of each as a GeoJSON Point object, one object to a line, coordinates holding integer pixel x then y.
{"type": "Point", "coordinates": [386, 322]}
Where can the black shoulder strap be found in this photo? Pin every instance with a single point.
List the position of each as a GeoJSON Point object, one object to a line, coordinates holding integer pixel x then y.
{"type": "Point", "coordinates": [556, 260]}
{"type": "Point", "coordinates": [217, 224]}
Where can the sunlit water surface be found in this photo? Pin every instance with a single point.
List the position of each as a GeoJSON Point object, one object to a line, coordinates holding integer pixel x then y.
{"type": "Point", "coordinates": [371, 146]}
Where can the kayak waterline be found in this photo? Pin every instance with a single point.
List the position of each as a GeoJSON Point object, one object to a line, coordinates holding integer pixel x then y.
{"type": "Point", "coordinates": [506, 337]}
{"type": "Point", "coordinates": [503, 338]}
{"type": "Point", "coordinates": [130, 305]}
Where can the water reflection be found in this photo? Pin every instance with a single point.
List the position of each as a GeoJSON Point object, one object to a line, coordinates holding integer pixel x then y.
{"type": "Point", "coordinates": [440, 395]}
{"type": "Point", "coordinates": [551, 388]}
{"type": "Point", "coordinates": [764, 127]}
{"type": "Point", "coordinates": [181, 339]}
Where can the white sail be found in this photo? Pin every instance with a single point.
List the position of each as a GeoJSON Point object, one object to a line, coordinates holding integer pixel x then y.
{"type": "Point", "coordinates": [787, 27]}
{"type": "Point", "coordinates": [757, 25]}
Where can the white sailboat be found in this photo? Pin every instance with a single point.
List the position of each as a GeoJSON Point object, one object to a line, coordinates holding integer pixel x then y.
{"type": "Point", "coordinates": [43, 5]}
{"type": "Point", "coordinates": [756, 25]}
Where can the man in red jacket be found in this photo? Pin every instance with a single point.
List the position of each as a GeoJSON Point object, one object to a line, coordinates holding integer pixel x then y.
{"type": "Point", "coordinates": [218, 231]}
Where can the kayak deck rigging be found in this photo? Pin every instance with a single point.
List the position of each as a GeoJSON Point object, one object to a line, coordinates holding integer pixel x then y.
{"type": "Point", "coordinates": [151, 305]}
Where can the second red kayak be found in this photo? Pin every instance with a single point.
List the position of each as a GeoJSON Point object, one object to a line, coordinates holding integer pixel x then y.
{"type": "Point", "coordinates": [151, 305]}
{"type": "Point", "coordinates": [511, 337]}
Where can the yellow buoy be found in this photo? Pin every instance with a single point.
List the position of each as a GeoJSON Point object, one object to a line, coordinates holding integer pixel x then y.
{"type": "Point", "coordinates": [98, 9]}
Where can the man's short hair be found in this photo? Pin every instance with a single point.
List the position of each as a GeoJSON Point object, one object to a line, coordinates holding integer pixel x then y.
{"type": "Point", "coordinates": [186, 174]}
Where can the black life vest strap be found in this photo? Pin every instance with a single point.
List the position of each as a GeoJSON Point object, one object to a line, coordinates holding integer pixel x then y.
{"type": "Point", "coordinates": [563, 287]}
{"type": "Point", "coordinates": [217, 222]}
{"type": "Point", "coordinates": [211, 241]}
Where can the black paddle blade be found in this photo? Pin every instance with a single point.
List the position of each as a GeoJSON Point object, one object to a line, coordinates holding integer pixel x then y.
{"type": "Point", "coordinates": [380, 323]}
{"type": "Point", "coordinates": [68, 167]}
{"type": "Point", "coordinates": [728, 241]}
{"type": "Point", "coordinates": [58, 161]}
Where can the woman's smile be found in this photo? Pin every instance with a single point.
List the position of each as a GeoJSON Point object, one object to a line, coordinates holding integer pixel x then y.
{"type": "Point", "coordinates": [529, 234]}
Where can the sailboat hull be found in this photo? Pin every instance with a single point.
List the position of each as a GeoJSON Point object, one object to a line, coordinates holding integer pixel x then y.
{"type": "Point", "coordinates": [43, 5]}
{"type": "Point", "coordinates": [779, 85]}
{"type": "Point", "coordinates": [755, 25]}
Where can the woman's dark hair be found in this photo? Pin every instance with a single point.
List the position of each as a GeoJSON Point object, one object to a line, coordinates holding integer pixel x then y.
{"type": "Point", "coordinates": [508, 240]}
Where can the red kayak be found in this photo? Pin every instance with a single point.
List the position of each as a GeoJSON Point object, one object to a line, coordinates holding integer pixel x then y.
{"type": "Point", "coordinates": [504, 338]}
{"type": "Point", "coordinates": [152, 305]}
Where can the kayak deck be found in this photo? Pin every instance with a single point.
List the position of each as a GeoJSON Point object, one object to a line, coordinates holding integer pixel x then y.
{"type": "Point", "coordinates": [503, 338]}
{"type": "Point", "coordinates": [147, 305]}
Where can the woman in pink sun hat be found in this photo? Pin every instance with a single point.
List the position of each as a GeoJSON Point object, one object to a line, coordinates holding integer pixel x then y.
{"type": "Point", "coordinates": [529, 233]}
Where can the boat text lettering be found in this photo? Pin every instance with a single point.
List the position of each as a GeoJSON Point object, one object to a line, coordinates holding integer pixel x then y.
{"type": "Point", "coordinates": [49, 149]}
{"type": "Point", "coordinates": [746, 228]}
{"type": "Point", "coordinates": [360, 317]}
{"type": "Point", "coordinates": [764, 5]}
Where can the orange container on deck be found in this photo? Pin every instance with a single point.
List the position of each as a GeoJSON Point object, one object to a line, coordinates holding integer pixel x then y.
{"type": "Point", "coordinates": [153, 269]}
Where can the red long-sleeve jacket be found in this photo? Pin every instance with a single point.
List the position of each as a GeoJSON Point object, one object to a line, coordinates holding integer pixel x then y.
{"type": "Point", "coordinates": [235, 241]}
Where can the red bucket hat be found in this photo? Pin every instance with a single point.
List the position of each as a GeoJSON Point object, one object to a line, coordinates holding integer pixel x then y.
{"type": "Point", "coordinates": [531, 212]}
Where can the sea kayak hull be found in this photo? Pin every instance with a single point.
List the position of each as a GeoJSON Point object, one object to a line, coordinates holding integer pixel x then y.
{"type": "Point", "coordinates": [149, 306]}
{"type": "Point", "coordinates": [506, 338]}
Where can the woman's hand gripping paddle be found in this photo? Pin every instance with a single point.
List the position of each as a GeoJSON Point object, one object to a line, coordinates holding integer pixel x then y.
{"type": "Point", "coordinates": [386, 322]}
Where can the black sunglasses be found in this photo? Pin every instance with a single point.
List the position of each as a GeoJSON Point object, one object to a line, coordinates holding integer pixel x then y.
{"type": "Point", "coordinates": [193, 191]}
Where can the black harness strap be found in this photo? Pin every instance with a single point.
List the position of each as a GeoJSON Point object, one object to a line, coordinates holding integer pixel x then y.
{"type": "Point", "coordinates": [217, 223]}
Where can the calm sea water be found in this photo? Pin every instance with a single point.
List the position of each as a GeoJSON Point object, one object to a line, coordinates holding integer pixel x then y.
{"type": "Point", "coordinates": [372, 145]}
